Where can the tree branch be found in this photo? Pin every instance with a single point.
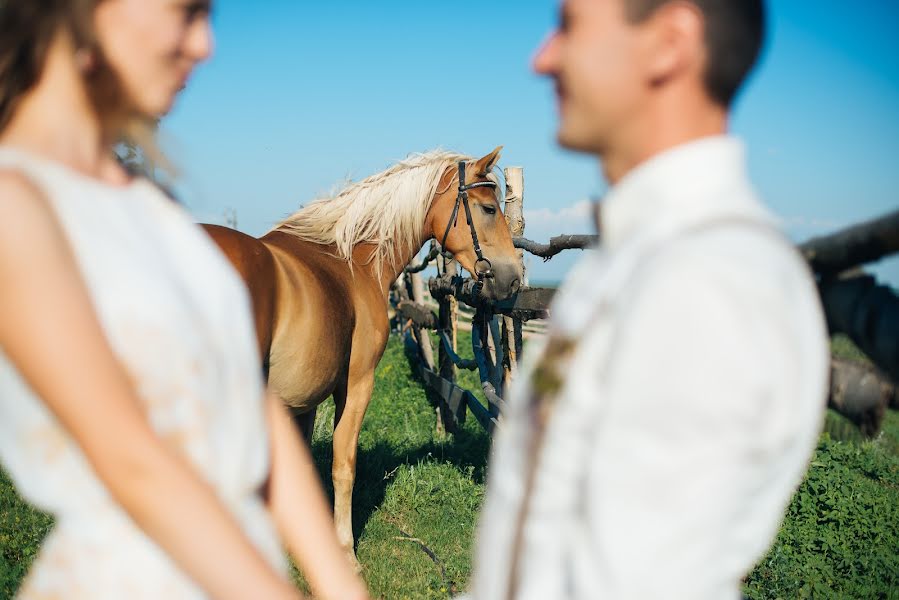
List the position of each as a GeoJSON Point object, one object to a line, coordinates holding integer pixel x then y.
{"type": "Point", "coordinates": [556, 244]}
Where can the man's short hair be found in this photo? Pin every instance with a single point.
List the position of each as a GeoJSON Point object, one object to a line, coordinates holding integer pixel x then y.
{"type": "Point", "coordinates": [734, 30]}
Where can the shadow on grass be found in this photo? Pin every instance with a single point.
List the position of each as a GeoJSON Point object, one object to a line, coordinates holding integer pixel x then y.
{"type": "Point", "coordinates": [376, 465]}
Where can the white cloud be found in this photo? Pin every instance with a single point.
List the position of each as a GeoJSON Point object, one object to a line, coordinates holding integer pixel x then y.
{"type": "Point", "coordinates": [540, 224]}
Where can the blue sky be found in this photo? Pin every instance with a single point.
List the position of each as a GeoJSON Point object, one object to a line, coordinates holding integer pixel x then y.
{"type": "Point", "coordinates": [301, 96]}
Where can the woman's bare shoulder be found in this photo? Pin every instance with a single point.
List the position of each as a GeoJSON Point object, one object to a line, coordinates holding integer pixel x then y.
{"type": "Point", "coordinates": [27, 218]}
{"type": "Point", "coordinates": [20, 196]}
{"type": "Point", "coordinates": [14, 181]}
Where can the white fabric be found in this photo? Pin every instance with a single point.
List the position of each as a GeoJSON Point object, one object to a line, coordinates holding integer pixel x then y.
{"type": "Point", "coordinates": [177, 316]}
{"type": "Point", "coordinates": [690, 407]}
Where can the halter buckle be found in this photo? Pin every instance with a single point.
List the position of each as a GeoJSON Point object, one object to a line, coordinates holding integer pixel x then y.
{"type": "Point", "coordinates": [483, 273]}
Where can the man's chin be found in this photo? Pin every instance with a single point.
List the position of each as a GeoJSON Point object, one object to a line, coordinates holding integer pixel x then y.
{"type": "Point", "coordinates": [575, 141]}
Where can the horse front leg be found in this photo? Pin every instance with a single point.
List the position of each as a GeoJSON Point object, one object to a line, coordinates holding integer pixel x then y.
{"type": "Point", "coordinates": [350, 405]}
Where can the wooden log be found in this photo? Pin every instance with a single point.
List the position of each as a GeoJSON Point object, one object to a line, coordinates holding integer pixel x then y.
{"type": "Point", "coordinates": [859, 393]}
{"type": "Point", "coordinates": [449, 399]}
{"type": "Point", "coordinates": [856, 245]}
{"type": "Point", "coordinates": [479, 351]}
{"type": "Point", "coordinates": [423, 338]}
{"type": "Point", "coordinates": [483, 416]}
{"type": "Point", "coordinates": [486, 369]}
{"type": "Point", "coordinates": [397, 295]}
{"type": "Point", "coordinates": [462, 289]}
{"type": "Point", "coordinates": [452, 398]}
{"type": "Point", "coordinates": [447, 322]}
{"type": "Point", "coordinates": [480, 327]}
{"type": "Point", "coordinates": [495, 344]}
{"type": "Point", "coordinates": [461, 363]}
{"type": "Point", "coordinates": [513, 212]}
{"type": "Point", "coordinates": [556, 244]}
{"type": "Point", "coordinates": [529, 303]}
{"type": "Point", "coordinates": [510, 357]}
{"type": "Point", "coordinates": [513, 209]}
{"type": "Point", "coordinates": [419, 314]}
{"type": "Point", "coordinates": [868, 313]}
{"type": "Point", "coordinates": [512, 341]}
{"type": "Point", "coordinates": [454, 401]}
{"type": "Point", "coordinates": [417, 267]}
{"type": "Point", "coordinates": [830, 254]}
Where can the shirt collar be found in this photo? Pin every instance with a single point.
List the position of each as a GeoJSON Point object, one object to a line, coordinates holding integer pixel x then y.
{"type": "Point", "coordinates": [679, 181]}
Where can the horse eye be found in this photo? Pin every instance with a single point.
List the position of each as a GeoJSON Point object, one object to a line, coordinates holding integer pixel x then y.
{"type": "Point", "coordinates": [490, 210]}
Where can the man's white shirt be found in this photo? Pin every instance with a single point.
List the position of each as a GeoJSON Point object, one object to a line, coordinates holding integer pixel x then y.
{"type": "Point", "coordinates": [689, 409]}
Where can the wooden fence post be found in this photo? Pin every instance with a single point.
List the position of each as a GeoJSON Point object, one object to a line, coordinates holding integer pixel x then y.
{"type": "Point", "coordinates": [446, 320]}
{"type": "Point", "coordinates": [424, 340]}
{"type": "Point", "coordinates": [514, 213]}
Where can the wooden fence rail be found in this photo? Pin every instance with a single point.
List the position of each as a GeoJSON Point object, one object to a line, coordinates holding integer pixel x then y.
{"type": "Point", "coordinates": [556, 244]}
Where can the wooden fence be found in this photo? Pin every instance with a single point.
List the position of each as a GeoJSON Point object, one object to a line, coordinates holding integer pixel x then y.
{"type": "Point", "coordinates": [858, 391]}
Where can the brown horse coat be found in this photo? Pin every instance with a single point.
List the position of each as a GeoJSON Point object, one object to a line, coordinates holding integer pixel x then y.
{"type": "Point", "coordinates": [321, 317]}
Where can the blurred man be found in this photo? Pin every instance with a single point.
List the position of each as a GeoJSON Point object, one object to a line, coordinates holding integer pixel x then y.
{"type": "Point", "coordinates": [653, 441]}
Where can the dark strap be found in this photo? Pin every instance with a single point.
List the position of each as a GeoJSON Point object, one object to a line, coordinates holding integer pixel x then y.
{"type": "Point", "coordinates": [462, 198]}
{"type": "Point", "coordinates": [454, 216]}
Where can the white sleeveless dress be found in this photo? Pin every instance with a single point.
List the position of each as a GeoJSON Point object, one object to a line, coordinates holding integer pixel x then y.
{"type": "Point", "coordinates": [178, 318]}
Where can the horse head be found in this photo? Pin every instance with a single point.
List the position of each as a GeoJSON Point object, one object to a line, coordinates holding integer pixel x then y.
{"type": "Point", "coordinates": [466, 218]}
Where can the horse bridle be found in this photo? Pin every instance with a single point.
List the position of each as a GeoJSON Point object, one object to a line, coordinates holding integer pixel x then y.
{"type": "Point", "coordinates": [462, 199]}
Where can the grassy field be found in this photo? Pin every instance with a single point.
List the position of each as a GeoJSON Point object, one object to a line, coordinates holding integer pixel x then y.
{"type": "Point", "coordinates": [418, 493]}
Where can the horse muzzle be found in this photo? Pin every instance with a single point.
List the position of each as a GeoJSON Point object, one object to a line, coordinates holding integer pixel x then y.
{"type": "Point", "coordinates": [502, 281]}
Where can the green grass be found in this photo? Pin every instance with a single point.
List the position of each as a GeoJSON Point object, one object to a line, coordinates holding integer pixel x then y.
{"type": "Point", "coordinates": [842, 347]}
{"type": "Point", "coordinates": [415, 486]}
{"type": "Point", "coordinates": [417, 489]}
{"type": "Point", "coordinates": [840, 538]}
{"type": "Point", "coordinates": [21, 530]}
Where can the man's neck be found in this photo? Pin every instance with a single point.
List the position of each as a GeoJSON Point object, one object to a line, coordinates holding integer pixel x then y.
{"type": "Point", "coordinates": [670, 125]}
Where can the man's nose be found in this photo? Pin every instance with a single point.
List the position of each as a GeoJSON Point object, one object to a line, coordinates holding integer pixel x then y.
{"type": "Point", "coordinates": [200, 41]}
{"type": "Point", "coordinates": [544, 62]}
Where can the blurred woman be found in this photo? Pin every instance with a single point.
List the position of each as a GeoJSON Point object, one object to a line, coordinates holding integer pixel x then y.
{"type": "Point", "coordinates": [131, 403]}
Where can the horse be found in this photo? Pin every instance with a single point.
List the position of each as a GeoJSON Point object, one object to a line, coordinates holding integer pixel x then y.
{"type": "Point", "coordinates": [319, 284]}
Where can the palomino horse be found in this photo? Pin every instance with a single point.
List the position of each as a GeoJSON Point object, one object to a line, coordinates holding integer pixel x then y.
{"type": "Point", "coordinates": [319, 283]}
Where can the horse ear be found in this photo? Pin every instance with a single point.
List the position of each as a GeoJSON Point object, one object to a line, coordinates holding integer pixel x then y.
{"type": "Point", "coordinates": [486, 164]}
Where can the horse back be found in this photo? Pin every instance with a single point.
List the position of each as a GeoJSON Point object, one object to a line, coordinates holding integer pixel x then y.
{"type": "Point", "coordinates": [312, 339]}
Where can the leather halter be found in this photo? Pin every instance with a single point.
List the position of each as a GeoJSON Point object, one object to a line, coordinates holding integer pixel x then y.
{"type": "Point", "coordinates": [462, 199]}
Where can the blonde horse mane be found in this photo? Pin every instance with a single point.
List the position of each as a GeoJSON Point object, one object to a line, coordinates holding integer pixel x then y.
{"type": "Point", "coordinates": [387, 209]}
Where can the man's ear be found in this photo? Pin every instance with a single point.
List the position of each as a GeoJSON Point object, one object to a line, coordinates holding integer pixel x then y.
{"type": "Point", "coordinates": [677, 41]}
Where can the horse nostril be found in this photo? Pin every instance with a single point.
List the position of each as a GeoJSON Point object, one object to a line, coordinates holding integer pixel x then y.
{"type": "Point", "coordinates": [516, 285]}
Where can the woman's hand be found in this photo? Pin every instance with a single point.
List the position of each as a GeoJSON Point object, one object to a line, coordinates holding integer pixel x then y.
{"type": "Point", "coordinates": [302, 514]}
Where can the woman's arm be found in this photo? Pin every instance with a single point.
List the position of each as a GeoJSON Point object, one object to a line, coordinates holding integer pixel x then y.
{"type": "Point", "coordinates": [302, 513]}
{"type": "Point", "coordinates": [50, 332]}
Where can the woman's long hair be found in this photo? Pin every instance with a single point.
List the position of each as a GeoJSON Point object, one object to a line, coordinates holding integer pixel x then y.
{"type": "Point", "coordinates": [28, 30]}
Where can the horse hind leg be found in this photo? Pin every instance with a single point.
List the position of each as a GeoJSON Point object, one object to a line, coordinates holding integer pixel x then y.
{"type": "Point", "coordinates": [350, 403]}
{"type": "Point", "coordinates": [305, 422]}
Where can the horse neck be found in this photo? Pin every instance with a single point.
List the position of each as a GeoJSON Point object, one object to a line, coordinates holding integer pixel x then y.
{"type": "Point", "coordinates": [394, 265]}
{"type": "Point", "coordinates": [391, 268]}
